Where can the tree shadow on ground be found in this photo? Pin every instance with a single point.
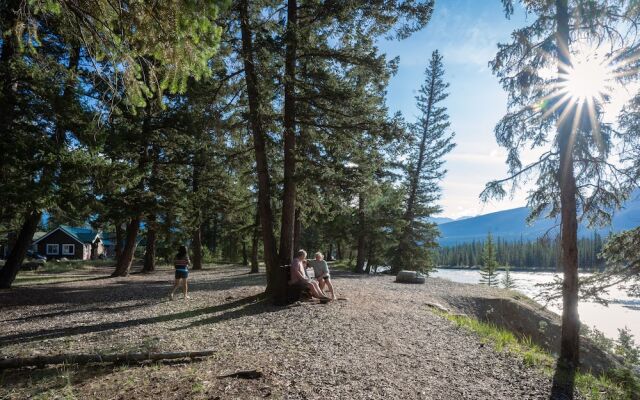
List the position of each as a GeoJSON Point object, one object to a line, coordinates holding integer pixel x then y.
{"type": "Point", "coordinates": [563, 386]}
{"type": "Point", "coordinates": [62, 313]}
{"type": "Point", "coordinates": [53, 377]}
{"type": "Point", "coordinates": [107, 291]}
{"type": "Point", "coordinates": [255, 305]}
{"type": "Point", "coordinates": [41, 334]}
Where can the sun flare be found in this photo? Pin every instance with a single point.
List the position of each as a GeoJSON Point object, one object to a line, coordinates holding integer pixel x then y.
{"type": "Point", "coordinates": [588, 78]}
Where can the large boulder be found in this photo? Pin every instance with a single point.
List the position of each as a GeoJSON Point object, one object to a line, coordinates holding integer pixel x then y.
{"type": "Point", "coordinates": [410, 277]}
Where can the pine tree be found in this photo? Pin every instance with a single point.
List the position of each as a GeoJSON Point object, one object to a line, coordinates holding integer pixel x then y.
{"type": "Point", "coordinates": [431, 140]}
{"type": "Point", "coordinates": [574, 173]}
{"type": "Point", "coordinates": [507, 281]}
{"type": "Point", "coordinates": [489, 266]}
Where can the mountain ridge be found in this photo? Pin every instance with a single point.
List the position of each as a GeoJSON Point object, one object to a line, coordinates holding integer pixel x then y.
{"type": "Point", "coordinates": [511, 225]}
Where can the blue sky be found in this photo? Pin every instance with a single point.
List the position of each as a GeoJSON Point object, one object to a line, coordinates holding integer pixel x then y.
{"type": "Point", "coordinates": [466, 32]}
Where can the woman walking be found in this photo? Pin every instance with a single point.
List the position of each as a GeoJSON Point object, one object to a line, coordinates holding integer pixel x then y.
{"type": "Point", "coordinates": [181, 263]}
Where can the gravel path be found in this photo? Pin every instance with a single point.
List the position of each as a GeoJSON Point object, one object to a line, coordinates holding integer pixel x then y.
{"type": "Point", "coordinates": [382, 343]}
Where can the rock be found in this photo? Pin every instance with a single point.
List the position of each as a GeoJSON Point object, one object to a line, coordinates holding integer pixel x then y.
{"type": "Point", "coordinates": [410, 277]}
{"type": "Point", "coordinates": [437, 306]}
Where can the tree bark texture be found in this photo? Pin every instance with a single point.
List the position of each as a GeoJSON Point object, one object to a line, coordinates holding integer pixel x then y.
{"type": "Point", "coordinates": [131, 241]}
{"type": "Point", "coordinates": [360, 257]}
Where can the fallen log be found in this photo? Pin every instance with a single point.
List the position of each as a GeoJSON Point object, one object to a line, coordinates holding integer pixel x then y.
{"type": "Point", "coordinates": [81, 359]}
{"type": "Point", "coordinates": [251, 374]}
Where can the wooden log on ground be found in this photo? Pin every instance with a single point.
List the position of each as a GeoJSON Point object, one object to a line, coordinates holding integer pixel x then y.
{"type": "Point", "coordinates": [250, 374]}
{"type": "Point", "coordinates": [81, 359]}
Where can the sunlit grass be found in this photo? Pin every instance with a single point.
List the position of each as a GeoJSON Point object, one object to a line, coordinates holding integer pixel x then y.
{"type": "Point", "coordinates": [618, 386]}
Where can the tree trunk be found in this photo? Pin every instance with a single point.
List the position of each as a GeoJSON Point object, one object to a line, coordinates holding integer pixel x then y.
{"type": "Point", "coordinates": [255, 241]}
{"type": "Point", "coordinates": [150, 251]}
{"type": "Point", "coordinates": [245, 254]}
{"type": "Point", "coordinates": [339, 250]}
{"type": "Point", "coordinates": [361, 235]}
{"type": "Point", "coordinates": [119, 240]}
{"type": "Point", "coordinates": [19, 250]}
{"type": "Point", "coordinates": [276, 276]}
{"type": "Point", "coordinates": [330, 252]}
{"type": "Point", "coordinates": [368, 261]}
{"type": "Point", "coordinates": [213, 244]}
{"type": "Point", "coordinates": [196, 239]}
{"type": "Point", "coordinates": [289, 121]}
{"type": "Point", "coordinates": [570, 336]}
{"type": "Point", "coordinates": [196, 244]}
{"type": "Point", "coordinates": [124, 262]}
{"type": "Point", "coordinates": [297, 231]}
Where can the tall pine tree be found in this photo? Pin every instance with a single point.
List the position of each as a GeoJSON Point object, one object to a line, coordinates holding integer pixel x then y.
{"type": "Point", "coordinates": [430, 140]}
{"type": "Point", "coordinates": [575, 176]}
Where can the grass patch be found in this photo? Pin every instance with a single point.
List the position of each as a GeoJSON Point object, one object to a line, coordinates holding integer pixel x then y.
{"type": "Point", "coordinates": [341, 265]}
{"type": "Point", "coordinates": [34, 279]}
{"type": "Point", "coordinates": [618, 385]}
{"type": "Point", "coordinates": [63, 271]}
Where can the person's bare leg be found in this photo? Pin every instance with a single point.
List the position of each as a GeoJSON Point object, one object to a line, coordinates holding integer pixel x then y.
{"type": "Point", "coordinates": [330, 286]}
{"type": "Point", "coordinates": [321, 284]}
{"type": "Point", "coordinates": [321, 292]}
{"type": "Point", "coordinates": [315, 291]}
{"type": "Point", "coordinates": [186, 289]}
{"type": "Point", "coordinates": [175, 286]}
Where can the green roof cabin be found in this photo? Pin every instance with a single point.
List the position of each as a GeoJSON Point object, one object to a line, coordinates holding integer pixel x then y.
{"type": "Point", "coordinates": [70, 242]}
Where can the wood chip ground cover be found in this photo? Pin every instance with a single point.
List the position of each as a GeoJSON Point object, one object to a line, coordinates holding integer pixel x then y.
{"type": "Point", "coordinates": [383, 343]}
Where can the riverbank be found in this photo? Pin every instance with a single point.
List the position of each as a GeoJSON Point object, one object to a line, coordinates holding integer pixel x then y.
{"type": "Point", "coordinates": [383, 342]}
{"type": "Point", "coordinates": [517, 269]}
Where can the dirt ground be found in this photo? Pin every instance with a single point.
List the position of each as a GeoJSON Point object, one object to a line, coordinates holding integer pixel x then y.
{"type": "Point", "coordinates": [382, 343]}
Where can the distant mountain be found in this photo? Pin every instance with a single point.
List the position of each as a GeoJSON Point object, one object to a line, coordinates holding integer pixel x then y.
{"type": "Point", "coordinates": [511, 225]}
{"type": "Point", "coordinates": [440, 220]}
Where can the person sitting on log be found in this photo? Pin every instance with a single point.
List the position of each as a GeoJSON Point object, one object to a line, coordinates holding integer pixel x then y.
{"type": "Point", "coordinates": [321, 273]}
{"type": "Point", "coordinates": [299, 277]}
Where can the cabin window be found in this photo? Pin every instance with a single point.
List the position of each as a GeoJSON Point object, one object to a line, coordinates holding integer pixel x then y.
{"type": "Point", "coordinates": [68, 249]}
{"type": "Point", "coordinates": [52, 249]}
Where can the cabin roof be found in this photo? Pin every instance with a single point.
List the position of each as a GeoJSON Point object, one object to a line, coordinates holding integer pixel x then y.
{"type": "Point", "coordinates": [81, 235]}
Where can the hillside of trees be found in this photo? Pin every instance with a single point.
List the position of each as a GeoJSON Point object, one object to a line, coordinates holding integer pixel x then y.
{"type": "Point", "coordinates": [541, 254]}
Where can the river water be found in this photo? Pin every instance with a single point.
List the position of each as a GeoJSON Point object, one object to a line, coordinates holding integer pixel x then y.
{"type": "Point", "coordinates": [623, 311]}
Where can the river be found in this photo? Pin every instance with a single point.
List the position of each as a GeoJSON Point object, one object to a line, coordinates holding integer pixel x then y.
{"type": "Point", "coordinates": [623, 311]}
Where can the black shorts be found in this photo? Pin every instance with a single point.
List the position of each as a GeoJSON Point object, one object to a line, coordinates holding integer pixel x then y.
{"type": "Point", "coordinates": [182, 274]}
{"type": "Point", "coordinates": [326, 278]}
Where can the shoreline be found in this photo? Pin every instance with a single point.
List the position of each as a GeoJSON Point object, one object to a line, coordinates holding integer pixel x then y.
{"type": "Point", "coordinates": [515, 269]}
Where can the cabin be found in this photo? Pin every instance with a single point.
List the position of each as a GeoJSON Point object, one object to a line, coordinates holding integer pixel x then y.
{"type": "Point", "coordinates": [70, 242]}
